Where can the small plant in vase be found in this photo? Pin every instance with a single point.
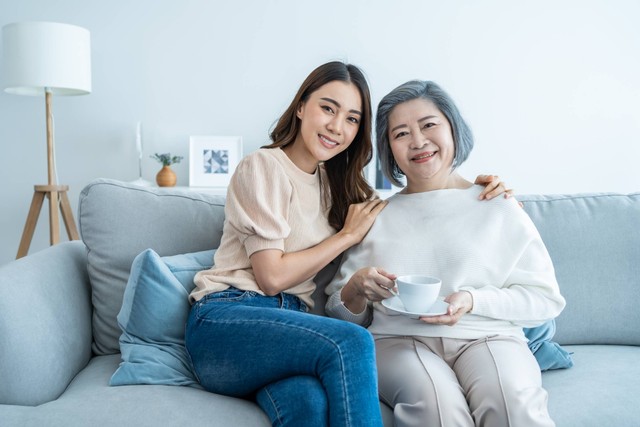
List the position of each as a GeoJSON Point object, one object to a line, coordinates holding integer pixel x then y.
{"type": "Point", "coordinates": [166, 177]}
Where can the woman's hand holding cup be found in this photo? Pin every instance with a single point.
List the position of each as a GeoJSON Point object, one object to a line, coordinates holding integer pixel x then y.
{"type": "Point", "coordinates": [373, 283]}
{"type": "Point", "coordinates": [367, 284]}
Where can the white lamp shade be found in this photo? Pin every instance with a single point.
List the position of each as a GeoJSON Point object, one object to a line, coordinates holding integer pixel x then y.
{"type": "Point", "coordinates": [41, 56]}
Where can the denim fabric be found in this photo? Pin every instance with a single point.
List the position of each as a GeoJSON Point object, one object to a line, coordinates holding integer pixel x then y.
{"type": "Point", "coordinates": [248, 345]}
{"type": "Point", "coordinates": [282, 406]}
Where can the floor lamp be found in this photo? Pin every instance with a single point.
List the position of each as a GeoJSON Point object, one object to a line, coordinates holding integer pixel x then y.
{"type": "Point", "coordinates": [47, 58]}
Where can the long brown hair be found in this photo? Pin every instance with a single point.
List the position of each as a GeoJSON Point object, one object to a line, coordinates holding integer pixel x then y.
{"type": "Point", "coordinates": [345, 171]}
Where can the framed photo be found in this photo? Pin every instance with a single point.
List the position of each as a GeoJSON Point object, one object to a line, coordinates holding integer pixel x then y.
{"type": "Point", "coordinates": [213, 159]}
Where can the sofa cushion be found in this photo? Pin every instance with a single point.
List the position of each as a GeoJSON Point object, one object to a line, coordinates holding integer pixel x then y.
{"type": "Point", "coordinates": [600, 390]}
{"type": "Point", "coordinates": [593, 242]}
{"type": "Point", "coordinates": [90, 401]}
{"type": "Point", "coordinates": [153, 315]}
{"type": "Point", "coordinates": [119, 220]}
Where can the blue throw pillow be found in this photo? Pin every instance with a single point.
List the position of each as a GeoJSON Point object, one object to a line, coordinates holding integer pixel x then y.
{"type": "Point", "coordinates": [153, 317]}
{"type": "Point", "coordinates": [549, 354]}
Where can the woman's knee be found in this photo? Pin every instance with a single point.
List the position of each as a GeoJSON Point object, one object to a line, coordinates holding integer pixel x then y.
{"type": "Point", "coordinates": [355, 338]}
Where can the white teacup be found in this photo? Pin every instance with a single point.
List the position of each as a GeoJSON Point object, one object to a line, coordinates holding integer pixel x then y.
{"type": "Point", "coordinates": [418, 293]}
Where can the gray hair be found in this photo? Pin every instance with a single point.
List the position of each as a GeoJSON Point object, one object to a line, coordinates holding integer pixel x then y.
{"type": "Point", "coordinates": [414, 89]}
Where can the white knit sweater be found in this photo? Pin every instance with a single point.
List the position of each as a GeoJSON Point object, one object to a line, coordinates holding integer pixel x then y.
{"type": "Point", "coordinates": [489, 248]}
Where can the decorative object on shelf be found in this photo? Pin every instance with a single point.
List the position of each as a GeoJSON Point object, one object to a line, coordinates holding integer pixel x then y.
{"type": "Point", "coordinates": [47, 58]}
{"type": "Point", "coordinates": [166, 177]}
{"type": "Point", "coordinates": [213, 159]}
{"type": "Point", "coordinates": [140, 148]}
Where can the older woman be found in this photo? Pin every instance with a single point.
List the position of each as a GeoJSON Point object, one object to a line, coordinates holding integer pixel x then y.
{"type": "Point", "coordinates": [469, 365]}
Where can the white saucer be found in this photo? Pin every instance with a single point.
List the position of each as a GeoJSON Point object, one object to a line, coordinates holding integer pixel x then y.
{"type": "Point", "coordinates": [395, 304]}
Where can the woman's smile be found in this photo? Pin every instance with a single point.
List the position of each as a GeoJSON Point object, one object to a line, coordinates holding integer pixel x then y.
{"type": "Point", "coordinates": [424, 157]}
{"type": "Point", "coordinates": [328, 142]}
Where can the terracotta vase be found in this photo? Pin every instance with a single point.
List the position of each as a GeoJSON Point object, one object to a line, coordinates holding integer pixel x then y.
{"type": "Point", "coordinates": [166, 177]}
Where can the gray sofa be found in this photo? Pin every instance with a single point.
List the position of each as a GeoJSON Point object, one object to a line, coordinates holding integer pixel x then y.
{"type": "Point", "coordinates": [59, 335]}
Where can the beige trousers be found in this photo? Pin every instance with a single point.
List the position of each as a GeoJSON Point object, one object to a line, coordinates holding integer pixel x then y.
{"type": "Point", "coordinates": [490, 382]}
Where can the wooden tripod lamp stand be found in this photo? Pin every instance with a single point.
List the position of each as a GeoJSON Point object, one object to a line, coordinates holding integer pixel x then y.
{"type": "Point", "coordinates": [47, 58]}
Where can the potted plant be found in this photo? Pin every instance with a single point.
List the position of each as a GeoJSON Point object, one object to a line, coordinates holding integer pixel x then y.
{"type": "Point", "coordinates": [166, 177]}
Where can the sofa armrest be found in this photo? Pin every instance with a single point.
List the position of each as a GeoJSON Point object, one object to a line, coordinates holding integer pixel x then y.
{"type": "Point", "coordinates": [45, 323]}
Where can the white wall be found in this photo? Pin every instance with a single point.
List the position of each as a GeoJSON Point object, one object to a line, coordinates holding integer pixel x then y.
{"type": "Point", "coordinates": [550, 88]}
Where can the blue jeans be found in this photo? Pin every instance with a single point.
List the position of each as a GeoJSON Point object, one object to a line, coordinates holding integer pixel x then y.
{"type": "Point", "coordinates": [302, 369]}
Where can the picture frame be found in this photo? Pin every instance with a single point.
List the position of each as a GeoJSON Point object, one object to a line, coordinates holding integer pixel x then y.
{"type": "Point", "coordinates": [213, 159]}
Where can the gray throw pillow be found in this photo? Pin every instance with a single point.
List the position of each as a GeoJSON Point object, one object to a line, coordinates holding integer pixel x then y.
{"type": "Point", "coordinates": [120, 220]}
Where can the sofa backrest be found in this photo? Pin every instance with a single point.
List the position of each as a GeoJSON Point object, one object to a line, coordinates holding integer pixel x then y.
{"type": "Point", "coordinates": [120, 220]}
{"type": "Point", "coordinates": [594, 242]}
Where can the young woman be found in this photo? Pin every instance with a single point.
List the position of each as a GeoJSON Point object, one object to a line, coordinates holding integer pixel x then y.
{"type": "Point", "coordinates": [471, 365]}
{"type": "Point", "coordinates": [292, 207]}
{"type": "Point", "coordinates": [248, 332]}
